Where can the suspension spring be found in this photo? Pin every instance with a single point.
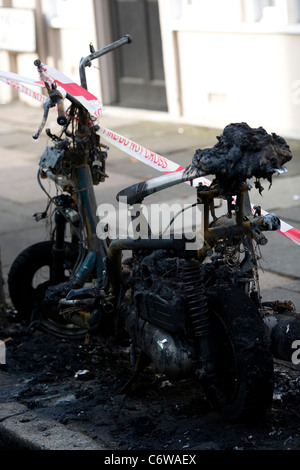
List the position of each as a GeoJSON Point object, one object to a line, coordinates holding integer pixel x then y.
{"type": "Point", "coordinates": [232, 255]}
{"type": "Point", "coordinates": [196, 299]}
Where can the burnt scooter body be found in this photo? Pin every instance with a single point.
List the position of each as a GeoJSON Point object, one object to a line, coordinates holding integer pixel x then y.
{"type": "Point", "coordinates": [172, 315]}
{"type": "Point", "coordinates": [194, 313]}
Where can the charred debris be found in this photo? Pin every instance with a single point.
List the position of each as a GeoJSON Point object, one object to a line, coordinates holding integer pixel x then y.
{"type": "Point", "coordinates": [242, 153]}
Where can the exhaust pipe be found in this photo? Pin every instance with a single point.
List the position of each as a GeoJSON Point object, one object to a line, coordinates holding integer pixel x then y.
{"type": "Point", "coordinates": [170, 355]}
{"type": "Point", "coordinates": [175, 358]}
{"type": "Point", "coordinates": [284, 330]}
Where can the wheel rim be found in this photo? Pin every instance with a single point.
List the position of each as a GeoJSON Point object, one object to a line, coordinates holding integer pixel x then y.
{"type": "Point", "coordinates": [54, 324]}
{"type": "Point", "coordinates": [51, 322]}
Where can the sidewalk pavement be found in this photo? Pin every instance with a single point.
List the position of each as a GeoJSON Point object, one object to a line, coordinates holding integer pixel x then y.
{"type": "Point", "coordinates": [21, 196]}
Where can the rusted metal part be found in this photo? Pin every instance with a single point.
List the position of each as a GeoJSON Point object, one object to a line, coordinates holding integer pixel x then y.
{"type": "Point", "coordinates": [237, 223]}
{"type": "Point", "coordinates": [232, 229]}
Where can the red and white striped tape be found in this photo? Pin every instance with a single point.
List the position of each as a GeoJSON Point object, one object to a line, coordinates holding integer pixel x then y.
{"type": "Point", "coordinates": [16, 81]}
{"type": "Point", "coordinates": [50, 74]}
{"type": "Point", "coordinates": [87, 99]}
{"type": "Point", "coordinates": [19, 78]}
{"type": "Point", "coordinates": [141, 153]}
{"type": "Point", "coordinates": [93, 105]}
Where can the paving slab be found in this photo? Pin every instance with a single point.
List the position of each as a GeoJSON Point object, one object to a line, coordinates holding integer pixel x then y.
{"type": "Point", "coordinates": [26, 429]}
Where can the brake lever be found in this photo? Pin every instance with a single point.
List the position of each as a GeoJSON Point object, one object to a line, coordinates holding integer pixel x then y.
{"type": "Point", "coordinates": [46, 106]}
{"type": "Point", "coordinates": [55, 99]}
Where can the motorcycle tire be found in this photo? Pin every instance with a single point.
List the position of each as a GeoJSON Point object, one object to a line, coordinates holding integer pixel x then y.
{"type": "Point", "coordinates": [28, 280]}
{"type": "Point", "coordinates": [243, 383]}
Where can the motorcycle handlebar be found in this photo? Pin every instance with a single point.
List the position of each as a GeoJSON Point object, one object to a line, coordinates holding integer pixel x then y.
{"type": "Point", "coordinates": [61, 118]}
{"type": "Point", "coordinates": [86, 61]}
{"type": "Point", "coordinates": [55, 97]}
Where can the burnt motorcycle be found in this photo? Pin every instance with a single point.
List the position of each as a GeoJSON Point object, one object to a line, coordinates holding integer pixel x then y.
{"type": "Point", "coordinates": [193, 313]}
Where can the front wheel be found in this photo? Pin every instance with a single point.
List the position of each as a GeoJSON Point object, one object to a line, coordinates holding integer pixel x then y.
{"type": "Point", "coordinates": [29, 278]}
{"type": "Point", "coordinates": [243, 380]}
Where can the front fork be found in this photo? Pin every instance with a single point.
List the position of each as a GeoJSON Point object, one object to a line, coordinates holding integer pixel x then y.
{"type": "Point", "coordinates": [93, 261]}
{"type": "Point", "coordinates": [58, 249]}
{"type": "Point", "coordinates": [64, 213]}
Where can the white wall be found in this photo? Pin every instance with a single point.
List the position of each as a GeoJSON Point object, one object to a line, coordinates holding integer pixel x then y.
{"type": "Point", "coordinates": [232, 77]}
{"type": "Point", "coordinates": [219, 71]}
{"type": "Point", "coordinates": [224, 60]}
{"type": "Point", "coordinates": [70, 29]}
{"type": "Point", "coordinates": [6, 93]}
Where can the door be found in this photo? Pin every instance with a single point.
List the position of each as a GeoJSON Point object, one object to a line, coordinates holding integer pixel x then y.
{"type": "Point", "coordinates": [139, 66]}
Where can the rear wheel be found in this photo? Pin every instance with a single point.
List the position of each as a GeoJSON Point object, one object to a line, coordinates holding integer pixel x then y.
{"type": "Point", "coordinates": [29, 278]}
{"type": "Point", "coordinates": [242, 385]}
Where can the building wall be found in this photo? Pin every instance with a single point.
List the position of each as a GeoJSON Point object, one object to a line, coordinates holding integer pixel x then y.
{"type": "Point", "coordinates": [233, 77]}
{"type": "Point", "coordinates": [65, 28]}
{"type": "Point", "coordinates": [221, 68]}
{"type": "Point", "coordinates": [224, 60]}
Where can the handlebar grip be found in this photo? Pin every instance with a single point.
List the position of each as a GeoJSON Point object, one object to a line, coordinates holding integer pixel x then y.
{"type": "Point", "coordinates": [129, 38]}
{"type": "Point", "coordinates": [61, 119]}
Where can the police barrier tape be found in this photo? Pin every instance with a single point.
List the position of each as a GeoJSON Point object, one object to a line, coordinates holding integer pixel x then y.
{"type": "Point", "coordinates": [87, 99]}
{"type": "Point", "coordinates": [141, 153]}
{"type": "Point", "coordinates": [50, 74]}
{"type": "Point", "coordinates": [16, 81]}
{"type": "Point", "coordinates": [93, 105]}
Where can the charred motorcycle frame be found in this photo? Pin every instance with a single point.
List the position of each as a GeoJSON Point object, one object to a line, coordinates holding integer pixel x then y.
{"type": "Point", "coordinates": [193, 313]}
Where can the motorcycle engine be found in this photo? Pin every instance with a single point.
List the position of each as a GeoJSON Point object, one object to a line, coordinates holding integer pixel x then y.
{"type": "Point", "coordinates": [158, 291]}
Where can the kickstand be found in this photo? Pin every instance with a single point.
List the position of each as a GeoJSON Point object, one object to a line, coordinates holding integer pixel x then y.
{"type": "Point", "coordinates": [132, 384]}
